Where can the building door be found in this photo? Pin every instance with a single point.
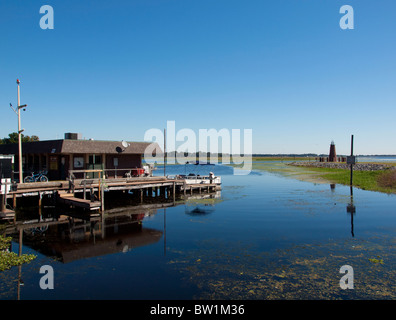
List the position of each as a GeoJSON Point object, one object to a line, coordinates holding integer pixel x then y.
{"type": "Point", "coordinates": [94, 163]}
{"type": "Point", "coordinates": [53, 170]}
{"type": "Point", "coordinates": [64, 167]}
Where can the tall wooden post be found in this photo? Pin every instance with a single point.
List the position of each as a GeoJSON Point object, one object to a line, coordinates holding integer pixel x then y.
{"type": "Point", "coordinates": [351, 182]}
{"type": "Point", "coordinates": [101, 191]}
{"type": "Point", "coordinates": [19, 138]}
{"type": "Point", "coordinates": [102, 199]}
{"type": "Point", "coordinates": [164, 152]}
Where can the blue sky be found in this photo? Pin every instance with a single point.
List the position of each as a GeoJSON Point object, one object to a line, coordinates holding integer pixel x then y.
{"type": "Point", "coordinates": [285, 69]}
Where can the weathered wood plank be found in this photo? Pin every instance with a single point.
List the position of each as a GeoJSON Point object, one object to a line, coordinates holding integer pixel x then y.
{"type": "Point", "coordinates": [87, 204]}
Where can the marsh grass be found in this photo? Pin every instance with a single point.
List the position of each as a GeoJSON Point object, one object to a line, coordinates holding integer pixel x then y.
{"type": "Point", "coordinates": [387, 179]}
{"type": "Point", "coordinates": [381, 180]}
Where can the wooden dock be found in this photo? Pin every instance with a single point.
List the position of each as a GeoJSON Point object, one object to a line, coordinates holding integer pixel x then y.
{"type": "Point", "coordinates": [89, 193]}
{"type": "Point", "coordinates": [70, 199]}
{"type": "Point", "coordinates": [7, 214]}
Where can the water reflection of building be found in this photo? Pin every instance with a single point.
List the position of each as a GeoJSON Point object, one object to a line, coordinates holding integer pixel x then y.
{"type": "Point", "coordinates": [70, 239]}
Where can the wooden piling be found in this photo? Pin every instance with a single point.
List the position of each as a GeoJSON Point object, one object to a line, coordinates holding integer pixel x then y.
{"type": "Point", "coordinates": [351, 177]}
{"type": "Point", "coordinates": [40, 203]}
{"type": "Point", "coordinates": [174, 191]}
{"type": "Point", "coordinates": [2, 204]}
{"type": "Point", "coordinates": [102, 199]}
{"type": "Point", "coordinates": [85, 190]}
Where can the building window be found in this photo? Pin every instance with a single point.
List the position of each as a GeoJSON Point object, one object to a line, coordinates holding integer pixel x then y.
{"type": "Point", "coordinates": [78, 162]}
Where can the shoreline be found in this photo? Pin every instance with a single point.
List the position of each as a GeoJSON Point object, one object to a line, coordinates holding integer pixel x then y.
{"type": "Point", "coordinates": [339, 173]}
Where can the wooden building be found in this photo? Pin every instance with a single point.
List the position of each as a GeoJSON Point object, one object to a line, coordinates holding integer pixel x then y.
{"type": "Point", "coordinates": [57, 157]}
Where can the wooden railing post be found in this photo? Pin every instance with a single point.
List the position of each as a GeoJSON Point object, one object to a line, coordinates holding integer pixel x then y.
{"type": "Point", "coordinates": [101, 186]}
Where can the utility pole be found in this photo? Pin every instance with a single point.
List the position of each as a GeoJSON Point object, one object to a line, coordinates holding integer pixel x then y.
{"type": "Point", "coordinates": [18, 113]}
{"type": "Point", "coordinates": [164, 152]}
{"type": "Point", "coordinates": [352, 161]}
{"type": "Point", "coordinates": [19, 136]}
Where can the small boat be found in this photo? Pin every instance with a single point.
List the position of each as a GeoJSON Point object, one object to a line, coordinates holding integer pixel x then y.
{"type": "Point", "coordinates": [198, 179]}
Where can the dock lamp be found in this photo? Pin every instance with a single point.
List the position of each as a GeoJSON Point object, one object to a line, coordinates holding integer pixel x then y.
{"type": "Point", "coordinates": [18, 113]}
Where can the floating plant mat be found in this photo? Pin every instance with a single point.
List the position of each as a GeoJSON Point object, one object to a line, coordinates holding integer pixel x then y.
{"type": "Point", "coordinates": [233, 192]}
{"type": "Point", "coordinates": [314, 201]}
{"type": "Point", "coordinates": [312, 271]}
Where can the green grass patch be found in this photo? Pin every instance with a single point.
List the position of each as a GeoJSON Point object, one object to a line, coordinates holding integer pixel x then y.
{"type": "Point", "coordinates": [366, 180]}
{"type": "Point", "coordinates": [380, 180]}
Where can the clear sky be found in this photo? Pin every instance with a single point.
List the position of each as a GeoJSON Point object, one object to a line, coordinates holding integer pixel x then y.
{"type": "Point", "coordinates": [285, 69]}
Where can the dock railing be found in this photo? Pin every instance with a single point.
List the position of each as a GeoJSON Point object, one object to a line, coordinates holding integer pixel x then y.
{"type": "Point", "coordinates": [107, 173]}
{"type": "Point", "coordinates": [87, 177]}
{"type": "Point", "coordinates": [86, 181]}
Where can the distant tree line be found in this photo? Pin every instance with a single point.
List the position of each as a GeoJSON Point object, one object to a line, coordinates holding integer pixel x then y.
{"type": "Point", "coordinates": [13, 138]}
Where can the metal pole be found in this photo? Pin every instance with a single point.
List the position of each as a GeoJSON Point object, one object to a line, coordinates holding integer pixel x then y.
{"type": "Point", "coordinates": [164, 152]}
{"type": "Point", "coordinates": [351, 182]}
{"type": "Point", "coordinates": [164, 231]}
{"type": "Point", "coordinates": [19, 137]}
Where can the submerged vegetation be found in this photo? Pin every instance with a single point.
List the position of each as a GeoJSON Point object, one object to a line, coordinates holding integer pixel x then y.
{"type": "Point", "coordinates": [9, 259]}
{"type": "Point", "coordinates": [304, 271]}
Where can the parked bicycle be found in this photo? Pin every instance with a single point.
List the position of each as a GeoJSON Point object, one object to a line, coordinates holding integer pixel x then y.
{"type": "Point", "coordinates": [39, 177]}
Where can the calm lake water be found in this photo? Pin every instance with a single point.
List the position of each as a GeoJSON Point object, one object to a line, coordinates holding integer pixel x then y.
{"type": "Point", "coordinates": [263, 236]}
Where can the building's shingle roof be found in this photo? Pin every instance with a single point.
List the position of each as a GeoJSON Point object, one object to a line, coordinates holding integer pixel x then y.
{"type": "Point", "coordinates": [76, 146]}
